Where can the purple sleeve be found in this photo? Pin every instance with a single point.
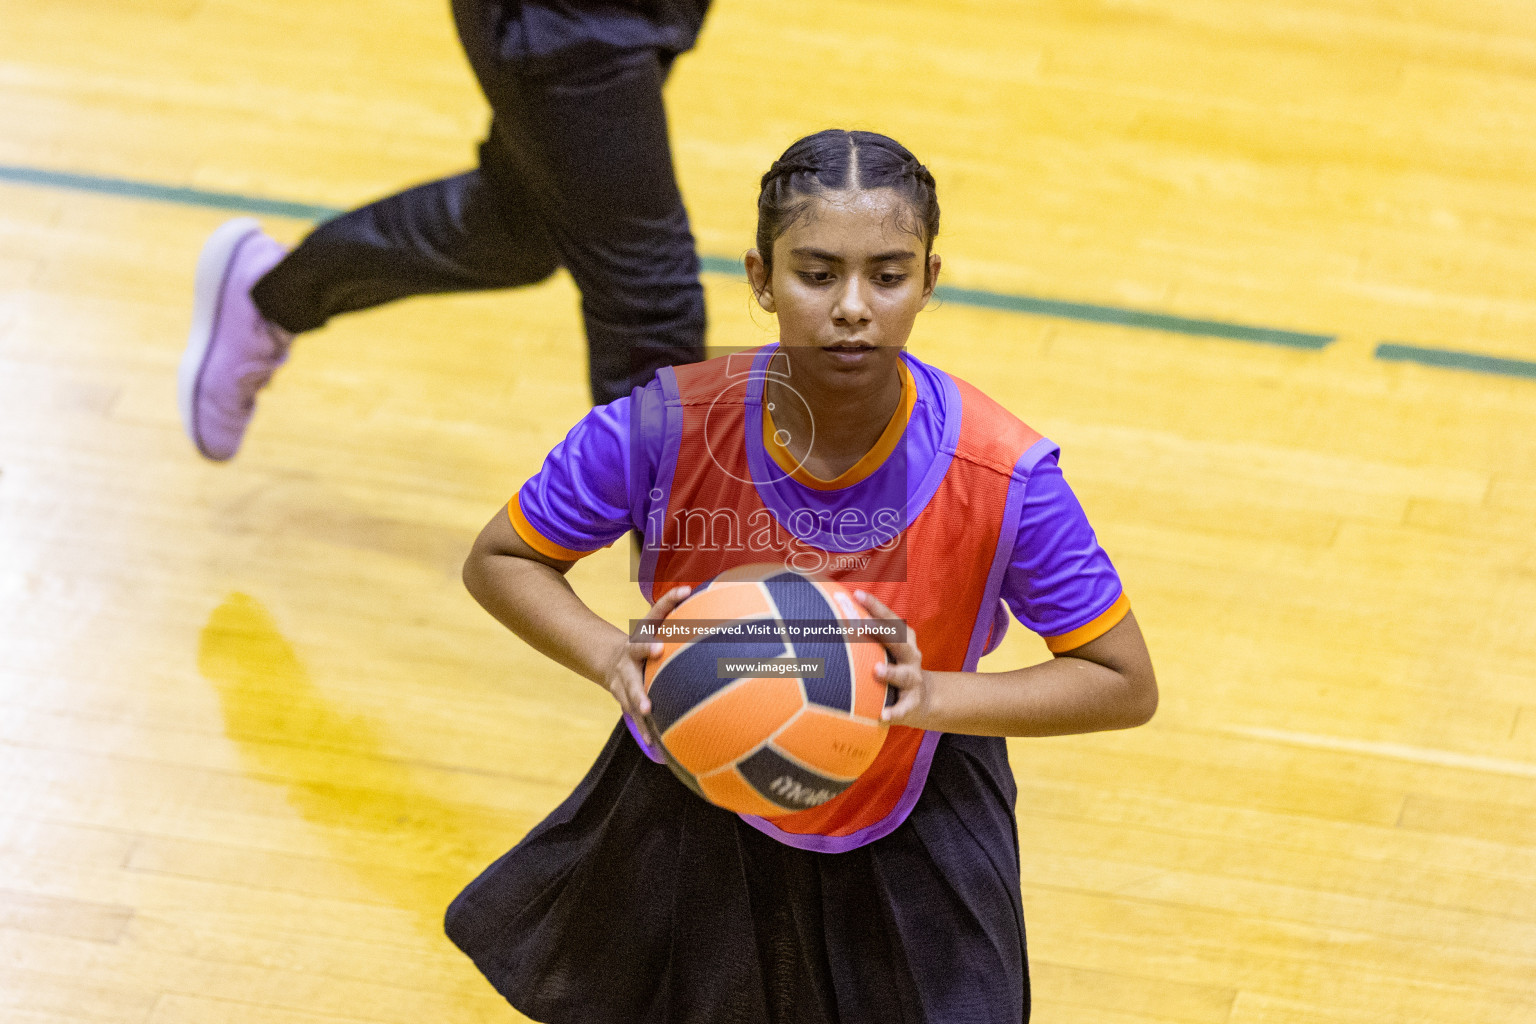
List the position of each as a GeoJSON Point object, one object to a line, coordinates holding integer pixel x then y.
{"type": "Point", "coordinates": [579, 499]}
{"type": "Point", "coordinates": [1058, 579]}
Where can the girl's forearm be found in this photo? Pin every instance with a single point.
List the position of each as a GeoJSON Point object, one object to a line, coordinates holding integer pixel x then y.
{"type": "Point", "coordinates": [537, 603]}
{"type": "Point", "coordinates": [1060, 697]}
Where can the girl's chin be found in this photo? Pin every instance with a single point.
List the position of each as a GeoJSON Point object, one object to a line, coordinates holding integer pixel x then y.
{"type": "Point", "coordinates": [846, 368]}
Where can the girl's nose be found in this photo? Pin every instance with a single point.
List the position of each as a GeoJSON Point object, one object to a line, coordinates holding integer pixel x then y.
{"type": "Point", "coordinates": [852, 304]}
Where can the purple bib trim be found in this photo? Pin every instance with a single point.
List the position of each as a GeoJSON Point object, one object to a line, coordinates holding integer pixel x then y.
{"type": "Point", "coordinates": [634, 730]}
{"type": "Point", "coordinates": [987, 633]}
{"type": "Point", "coordinates": [869, 833]}
{"type": "Point", "coordinates": [649, 504]}
{"type": "Point", "coordinates": [949, 442]}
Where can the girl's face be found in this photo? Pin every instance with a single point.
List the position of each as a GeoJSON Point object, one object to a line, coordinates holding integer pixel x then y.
{"type": "Point", "coordinates": [848, 281]}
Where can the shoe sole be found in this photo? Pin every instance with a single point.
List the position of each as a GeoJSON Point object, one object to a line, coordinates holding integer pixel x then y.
{"type": "Point", "coordinates": [212, 271]}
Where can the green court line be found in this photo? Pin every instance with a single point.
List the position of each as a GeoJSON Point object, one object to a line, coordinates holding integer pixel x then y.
{"type": "Point", "coordinates": [1451, 359]}
{"type": "Point", "coordinates": [722, 265]}
{"type": "Point", "coordinates": [1119, 316]}
{"type": "Point", "coordinates": [1131, 318]}
{"type": "Point", "coordinates": [1091, 313]}
{"type": "Point", "coordinates": [165, 193]}
{"type": "Point", "coordinates": [977, 298]}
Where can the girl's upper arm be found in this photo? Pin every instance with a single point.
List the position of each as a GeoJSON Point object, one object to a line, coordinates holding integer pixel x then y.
{"type": "Point", "coordinates": [1121, 648]}
{"type": "Point", "coordinates": [1059, 581]}
{"type": "Point", "coordinates": [499, 539]}
{"type": "Point", "coordinates": [580, 500]}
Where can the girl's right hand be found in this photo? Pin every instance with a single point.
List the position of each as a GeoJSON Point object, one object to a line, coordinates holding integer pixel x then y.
{"type": "Point", "coordinates": [626, 679]}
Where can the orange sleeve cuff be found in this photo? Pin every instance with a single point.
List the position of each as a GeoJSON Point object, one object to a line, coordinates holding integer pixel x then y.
{"type": "Point", "coordinates": [1101, 624]}
{"type": "Point", "coordinates": [536, 540]}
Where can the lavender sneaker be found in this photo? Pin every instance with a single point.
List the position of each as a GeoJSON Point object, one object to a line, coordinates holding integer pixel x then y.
{"type": "Point", "coordinates": [232, 351]}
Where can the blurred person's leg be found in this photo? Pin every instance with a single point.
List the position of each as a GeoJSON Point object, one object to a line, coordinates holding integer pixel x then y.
{"type": "Point", "coordinates": [576, 171]}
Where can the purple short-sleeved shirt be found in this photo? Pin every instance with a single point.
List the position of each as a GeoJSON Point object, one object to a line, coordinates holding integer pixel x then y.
{"type": "Point", "coordinates": [1058, 582]}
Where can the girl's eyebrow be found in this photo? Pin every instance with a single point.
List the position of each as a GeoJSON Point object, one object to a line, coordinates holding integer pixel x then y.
{"type": "Point", "coordinates": [829, 257]}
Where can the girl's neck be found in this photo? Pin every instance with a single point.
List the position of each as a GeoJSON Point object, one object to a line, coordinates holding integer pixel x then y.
{"type": "Point", "coordinates": [829, 429]}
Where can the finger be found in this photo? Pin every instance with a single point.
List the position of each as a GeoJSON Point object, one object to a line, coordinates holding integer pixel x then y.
{"type": "Point", "coordinates": [859, 617]}
{"type": "Point", "coordinates": [903, 677]}
{"type": "Point", "coordinates": [639, 701]}
{"type": "Point", "coordinates": [620, 693]}
{"type": "Point", "coordinates": [901, 652]}
{"type": "Point", "coordinates": [638, 698]}
{"type": "Point", "coordinates": [905, 650]}
{"type": "Point", "coordinates": [665, 605]}
{"type": "Point", "coordinates": [627, 684]}
{"type": "Point", "coordinates": [876, 607]}
{"type": "Point", "coordinates": [668, 602]}
{"type": "Point", "coordinates": [643, 652]}
{"type": "Point", "coordinates": [904, 706]}
{"type": "Point", "coordinates": [637, 707]}
{"type": "Point", "coordinates": [895, 679]}
{"type": "Point", "coordinates": [877, 610]}
{"type": "Point", "coordinates": [640, 711]}
{"type": "Point", "coordinates": [642, 719]}
{"type": "Point", "coordinates": [846, 607]}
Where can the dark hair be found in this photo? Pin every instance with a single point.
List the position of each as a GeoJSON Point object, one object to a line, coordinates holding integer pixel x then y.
{"type": "Point", "coordinates": [835, 160]}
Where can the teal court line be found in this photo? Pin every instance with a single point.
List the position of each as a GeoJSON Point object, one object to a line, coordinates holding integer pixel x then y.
{"type": "Point", "coordinates": [1094, 314]}
{"type": "Point", "coordinates": [165, 193]}
{"type": "Point", "coordinates": [976, 298]}
{"type": "Point", "coordinates": [1130, 318]}
{"type": "Point", "coordinates": [1454, 360]}
{"type": "Point", "coordinates": [972, 297]}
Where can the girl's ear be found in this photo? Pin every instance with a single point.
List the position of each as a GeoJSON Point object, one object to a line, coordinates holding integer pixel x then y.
{"type": "Point", "coordinates": [760, 280]}
{"type": "Point", "coordinates": [931, 276]}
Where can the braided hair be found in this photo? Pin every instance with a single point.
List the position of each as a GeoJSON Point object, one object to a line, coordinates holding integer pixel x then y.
{"type": "Point", "coordinates": [836, 160]}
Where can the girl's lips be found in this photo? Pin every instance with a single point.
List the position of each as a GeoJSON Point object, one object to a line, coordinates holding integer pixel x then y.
{"type": "Point", "coordinates": [849, 354]}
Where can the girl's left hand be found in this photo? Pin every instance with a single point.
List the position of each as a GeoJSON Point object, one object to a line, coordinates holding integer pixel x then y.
{"type": "Point", "coordinates": [904, 671]}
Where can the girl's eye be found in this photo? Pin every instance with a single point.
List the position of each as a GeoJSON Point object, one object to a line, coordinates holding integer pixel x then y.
{"type": "Point", "coordinates": [815, 276]}
{"type": "Point", "coordinates": [890, 278]}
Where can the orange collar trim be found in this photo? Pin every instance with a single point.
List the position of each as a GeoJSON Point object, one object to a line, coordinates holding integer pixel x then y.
{"type": "Point", "coordinates": [872, 459]}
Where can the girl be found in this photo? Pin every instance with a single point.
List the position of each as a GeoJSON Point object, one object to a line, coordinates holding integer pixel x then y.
{"type": "Point", "coordinates": [898, 900]}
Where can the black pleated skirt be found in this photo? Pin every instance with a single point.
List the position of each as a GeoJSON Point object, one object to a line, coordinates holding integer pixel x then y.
{"type": "Point", "coordinates": [638, 902]}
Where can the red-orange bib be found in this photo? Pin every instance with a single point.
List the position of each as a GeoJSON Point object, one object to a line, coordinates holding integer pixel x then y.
{"type": "Point", "coordinates": [938, 563]}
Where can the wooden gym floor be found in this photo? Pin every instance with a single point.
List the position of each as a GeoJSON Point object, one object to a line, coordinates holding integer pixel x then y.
{"type": "Point", "coordinates": [255, 735]}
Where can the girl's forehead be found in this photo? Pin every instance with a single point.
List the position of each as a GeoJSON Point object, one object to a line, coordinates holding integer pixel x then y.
{"type": "Point", "coordinates": [855, 217]}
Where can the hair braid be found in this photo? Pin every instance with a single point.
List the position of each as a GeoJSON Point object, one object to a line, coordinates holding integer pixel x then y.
{"type": "Point", "coordinates": [834, 160]}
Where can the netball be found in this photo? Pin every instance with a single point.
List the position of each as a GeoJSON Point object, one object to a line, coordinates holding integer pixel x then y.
{"type": "Point", "coordinates": [760, 743]}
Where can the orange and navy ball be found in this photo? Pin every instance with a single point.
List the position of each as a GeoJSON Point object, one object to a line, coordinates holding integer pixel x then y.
{"type": "Point", "coordinates": [766, 743]}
